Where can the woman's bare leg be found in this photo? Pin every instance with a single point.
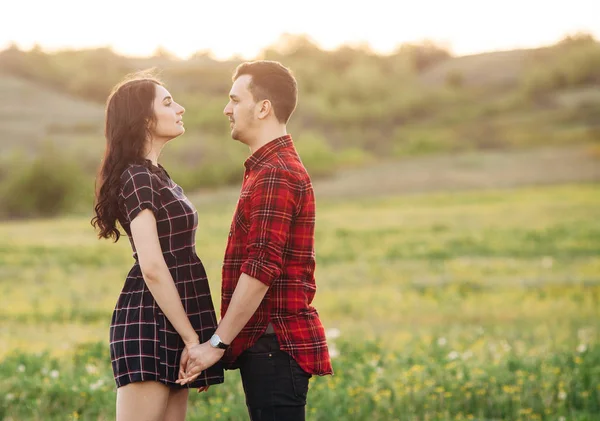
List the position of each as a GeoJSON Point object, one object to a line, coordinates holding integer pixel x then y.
{"type": "Point", "coordinates": [142, 401]}
{"type": "Point", "coordinates": [177, 405]}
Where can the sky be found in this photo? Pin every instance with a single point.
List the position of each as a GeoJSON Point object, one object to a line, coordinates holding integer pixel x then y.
{"type": "Point", "coordinates": [243, 28]}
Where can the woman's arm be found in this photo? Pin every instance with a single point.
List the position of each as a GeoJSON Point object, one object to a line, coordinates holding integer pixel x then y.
{"type": "Point", "coordinates": [157, 276]}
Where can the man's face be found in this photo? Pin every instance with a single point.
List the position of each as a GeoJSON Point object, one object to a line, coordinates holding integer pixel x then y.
{"type": "Point", "coordinates": [241, 110]}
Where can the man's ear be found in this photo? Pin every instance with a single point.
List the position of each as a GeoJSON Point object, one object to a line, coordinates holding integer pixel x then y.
{"type": "Point", "coordinates": [265, 109]}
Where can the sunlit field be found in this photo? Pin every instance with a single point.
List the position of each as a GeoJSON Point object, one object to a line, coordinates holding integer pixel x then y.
{"type": "Point", "coordinates": [440, 306]}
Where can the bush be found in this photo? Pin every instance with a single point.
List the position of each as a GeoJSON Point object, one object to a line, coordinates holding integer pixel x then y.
{"type": "Point", "coordinates": [47, 186]}
{"type": "Point", "coordinates": [562, 66]}
{"type": "Point", "coordinates": [455, 79]}
{"type": "Point", "coordinates": [207, 175]}
{"type": "Point", "coordinates": [317, 155]}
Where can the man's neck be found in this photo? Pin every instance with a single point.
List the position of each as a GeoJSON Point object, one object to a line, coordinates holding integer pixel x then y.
{"type": "Point", "coordinates": [267, 136]}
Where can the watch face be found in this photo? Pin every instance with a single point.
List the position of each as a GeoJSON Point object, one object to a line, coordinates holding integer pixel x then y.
{"type": "Point", "coordinates": [215, 342]}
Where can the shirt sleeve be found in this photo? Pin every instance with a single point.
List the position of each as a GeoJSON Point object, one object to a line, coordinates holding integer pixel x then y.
{"type": "Point", "coordinates": [273, 205]}
{"type": "Point", "coordinates": [139, 192]}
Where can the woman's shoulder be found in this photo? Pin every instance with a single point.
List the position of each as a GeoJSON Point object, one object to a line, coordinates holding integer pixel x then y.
{"type": "Point", "coordinates": [137, 176]}
{"type": "Point", "coordinates": [142, 172]}
{"type": "Point", "coordinates": [135, 171]}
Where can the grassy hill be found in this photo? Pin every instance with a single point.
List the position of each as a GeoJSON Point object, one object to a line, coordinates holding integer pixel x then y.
{"type": "Point", "coordinates": [31, 114]}
{"type": "Point", "coordinates": [501, 68]}
{"type": "Point", "coordinates": [478, 170]}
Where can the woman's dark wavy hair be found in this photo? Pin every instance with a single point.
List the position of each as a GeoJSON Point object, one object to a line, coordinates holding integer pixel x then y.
{"type": "Point", "coordinates": [129, 115]}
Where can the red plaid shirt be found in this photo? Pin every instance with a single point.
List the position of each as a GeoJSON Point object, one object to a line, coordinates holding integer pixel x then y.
{"type": "Point", "coordinates": [272, 240]}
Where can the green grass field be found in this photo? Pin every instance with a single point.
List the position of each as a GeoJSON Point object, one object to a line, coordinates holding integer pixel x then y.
{"type": "Point", "coordinates": [439, 306]}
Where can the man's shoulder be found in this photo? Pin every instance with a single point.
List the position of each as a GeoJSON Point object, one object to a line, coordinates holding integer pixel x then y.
{"type": "Point", "coordinates": [288, 166]}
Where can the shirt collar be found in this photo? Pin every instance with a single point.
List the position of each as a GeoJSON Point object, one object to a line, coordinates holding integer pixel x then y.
{"type": "Point", "coordinates": [267, 150]}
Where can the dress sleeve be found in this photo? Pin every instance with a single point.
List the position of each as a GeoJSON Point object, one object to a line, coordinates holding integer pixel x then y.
{"type": "Point", "coordinates": [139, 192]}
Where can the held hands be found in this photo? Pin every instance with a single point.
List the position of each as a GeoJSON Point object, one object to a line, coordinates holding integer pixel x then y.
{"type": "Point", "coordinates": [196, 358]}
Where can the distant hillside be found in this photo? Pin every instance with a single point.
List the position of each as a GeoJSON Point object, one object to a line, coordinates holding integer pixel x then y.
{"type": "Point", "coordinates": [31, 114]}
{"type": "Point", "coordinates": [477, 170]}
{"type": "Point", "coordinates": [500, 68]}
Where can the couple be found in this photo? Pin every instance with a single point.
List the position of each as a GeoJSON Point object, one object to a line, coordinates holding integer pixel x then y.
{"type": "Point", "coordinates": [164, 336]}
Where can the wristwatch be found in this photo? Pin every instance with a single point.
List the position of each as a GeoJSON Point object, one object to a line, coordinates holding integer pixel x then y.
{"type": "Point", "coordinates": [216, 342]}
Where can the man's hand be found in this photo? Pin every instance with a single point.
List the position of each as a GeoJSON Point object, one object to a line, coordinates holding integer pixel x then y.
{"type": "Point", "coordinates": [195, 360]}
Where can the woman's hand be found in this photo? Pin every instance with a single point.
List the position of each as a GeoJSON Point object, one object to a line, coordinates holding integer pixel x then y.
{"type": "Point", "coordinates": [196, 359]}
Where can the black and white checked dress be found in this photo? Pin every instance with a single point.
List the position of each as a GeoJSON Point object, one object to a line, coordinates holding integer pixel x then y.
{"type": "Point", "coordinates": [144, 346]}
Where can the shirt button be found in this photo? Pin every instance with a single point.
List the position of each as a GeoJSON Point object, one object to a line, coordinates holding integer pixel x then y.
{"type": "Point", "coordinates": [246, 176]}
{"type": "Point", "coordinates": [230, 234]}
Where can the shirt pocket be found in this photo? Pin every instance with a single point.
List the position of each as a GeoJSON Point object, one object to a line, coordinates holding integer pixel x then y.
{"type": "Point", "coordinates": [240, 219]}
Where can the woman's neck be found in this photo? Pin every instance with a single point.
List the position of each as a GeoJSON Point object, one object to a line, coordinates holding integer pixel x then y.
{"type": "Point", "coordinates": [153, 152]}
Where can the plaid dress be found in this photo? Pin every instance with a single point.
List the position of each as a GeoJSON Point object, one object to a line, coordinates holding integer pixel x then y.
{"type": "Point", "coordinates": [144, 346]}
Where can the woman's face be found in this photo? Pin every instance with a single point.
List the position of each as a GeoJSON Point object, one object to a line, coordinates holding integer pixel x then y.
{"type": "Point", "coordinates": [168, 115]}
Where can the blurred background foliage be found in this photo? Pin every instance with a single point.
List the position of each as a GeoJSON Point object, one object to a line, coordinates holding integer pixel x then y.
{"type": "Point", "coordinates": [356, 108]}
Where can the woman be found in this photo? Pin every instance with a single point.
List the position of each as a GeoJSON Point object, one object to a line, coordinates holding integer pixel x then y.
{"type": "Point", "coordinates": [165, 305]}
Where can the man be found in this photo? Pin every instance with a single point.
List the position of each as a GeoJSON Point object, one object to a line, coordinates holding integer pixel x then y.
{"type": "Point", "coordinates": [268, 330]}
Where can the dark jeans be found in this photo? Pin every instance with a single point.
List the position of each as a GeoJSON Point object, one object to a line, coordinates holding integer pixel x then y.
{"type": "Point", "coordinates": [274, 384]}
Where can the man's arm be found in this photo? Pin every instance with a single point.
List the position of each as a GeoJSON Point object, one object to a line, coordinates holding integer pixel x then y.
{"type": "Point", "coordinates": [246, 298]}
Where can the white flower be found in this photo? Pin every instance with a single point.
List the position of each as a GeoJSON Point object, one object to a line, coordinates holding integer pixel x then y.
{"type": "Point", "coordinates": [21, 368]}
{"type": "Point", "coordinates": [467, 355]}
{"type": "Point", "coordinates": [562, 419]}
{"type": "Point", "coordinates": [562, 395]}
{"type": "Point", "coordinates": [54, 374]}
{"type": "Point", "coordinates": [91, 369]}
{"type": "Point", "coordinates": [333, 351]}
{"type": "Point", "coordinates": [453, 355]}
{"type": "Point", "coordinates": [96, 385]}
{"type": "Point", "coordinates": [582, 348]}
{"type": "Point", "coordinates": [442, 341]}
{"type": "Point", "coordinates": [9, 397]}
{"type": "Point", "coordinates": [332, 333]}
{"type": "Point", "coordinates": [547, 262]}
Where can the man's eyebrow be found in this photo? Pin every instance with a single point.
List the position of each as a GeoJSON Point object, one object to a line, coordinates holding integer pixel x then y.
{"type": "Point", "coordinates": [167, 97]}
{"type": "Point", "coordinates": [233, 96]}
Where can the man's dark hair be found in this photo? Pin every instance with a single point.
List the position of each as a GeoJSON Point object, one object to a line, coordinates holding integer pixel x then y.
{"type": "Point", "coordinates": [273, 81]}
